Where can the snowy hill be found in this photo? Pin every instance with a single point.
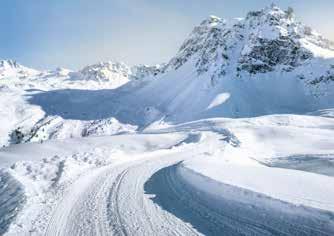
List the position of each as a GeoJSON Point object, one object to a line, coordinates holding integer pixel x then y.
{"type": "Point", "coordinates": [232, 136]}
{"type": "Point", "coordinates": [25, 122]}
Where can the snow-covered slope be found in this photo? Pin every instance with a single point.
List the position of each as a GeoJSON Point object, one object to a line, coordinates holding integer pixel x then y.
{"type": "Point", "coordinates": [24, 122]}
{"type": "Point", "coordinates": [196, 146]}
{"type": "Point", "coordinates": [265, 63]}
{"type": "Point", "coordinates": [262, 64]}
{"type": "Point", "coordinates": [207, 177]}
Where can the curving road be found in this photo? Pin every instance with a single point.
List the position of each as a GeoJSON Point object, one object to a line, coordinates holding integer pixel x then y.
{"type": "Point", "coordinates": [150, 197]}
{"type": "Point", "coordinates": [112, 201]}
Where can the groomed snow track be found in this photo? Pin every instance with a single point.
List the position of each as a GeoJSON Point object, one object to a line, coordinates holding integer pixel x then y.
{"type": "Point", "coordinates": [152, 197]}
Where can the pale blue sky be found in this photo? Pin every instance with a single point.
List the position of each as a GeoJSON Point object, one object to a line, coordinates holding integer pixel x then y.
{"type": "Point", "coordinates": [45, 34]}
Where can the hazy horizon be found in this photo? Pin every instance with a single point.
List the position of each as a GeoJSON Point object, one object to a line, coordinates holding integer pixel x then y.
{"type": "Point", "coordinates": [71, 34]}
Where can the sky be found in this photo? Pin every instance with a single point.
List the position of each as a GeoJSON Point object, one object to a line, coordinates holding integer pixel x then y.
{"type": "Point", "coordinates": [46, 34]}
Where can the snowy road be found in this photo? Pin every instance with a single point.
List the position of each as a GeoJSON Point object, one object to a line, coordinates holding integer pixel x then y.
{"type": "Point", "coordinates": [151, 196]}
{"type": "Point", "coordinates": [112, 200]}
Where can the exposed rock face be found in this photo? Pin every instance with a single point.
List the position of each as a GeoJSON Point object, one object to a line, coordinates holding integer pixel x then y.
{"type": "Point", "coordinates": [326, 78]}
{"type": "Point", "coordinates": [205, 43]}
{"type": "Point", "coordinates": [264, 41]}
{"type": "Point", "coordinates": [267, 54]}
{"type": "Point", "coordinates": [143, 71]}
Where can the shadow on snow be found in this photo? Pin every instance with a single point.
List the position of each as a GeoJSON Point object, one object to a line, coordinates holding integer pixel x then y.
{"type": "Point", "coordinates": [234, 211]}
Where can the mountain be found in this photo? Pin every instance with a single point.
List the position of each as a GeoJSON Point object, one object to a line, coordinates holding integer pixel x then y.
{"type": "Point", "coordinates": [26, 122]}
{"type": "Point", "coordinates": [262, 64]}
{"type": "Point", "coordinates": [265, 63]}
{"type": "Point", "coordinates": [189, 147]}
{"type": "Point", "coordinates": [115, 73]}
{"type": "Point", "coordinates": [261, 42]}
{"type": "Point", "coordinates": [10, 68]}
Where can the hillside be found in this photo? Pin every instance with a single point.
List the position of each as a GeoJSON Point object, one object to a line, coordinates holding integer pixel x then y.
{"type": "Point", "coordinates": [234, 135]}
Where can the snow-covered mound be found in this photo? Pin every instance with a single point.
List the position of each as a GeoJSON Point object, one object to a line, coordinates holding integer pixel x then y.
{"type": "Point", "coordinates": [55, 127]}
{"type": "Point", "coordinates": [271, 149]}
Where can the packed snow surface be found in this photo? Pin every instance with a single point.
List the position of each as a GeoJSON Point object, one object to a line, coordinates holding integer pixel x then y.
{"type": "Point", "coordinates": [233, 136]}
{"type": "Point", "coordinates": [167, 180]}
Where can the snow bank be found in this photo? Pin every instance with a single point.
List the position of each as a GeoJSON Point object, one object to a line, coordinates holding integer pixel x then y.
{"type": "Point", "coordinates": [265, 141]}
{"type": "Point", "coordinates": [296, 187]}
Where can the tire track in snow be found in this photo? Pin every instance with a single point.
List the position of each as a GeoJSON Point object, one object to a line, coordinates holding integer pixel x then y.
{"type": "Point", "coordinates": [151, 197]}
{"type": "Point", "coordinates": [111, 201]}
{"type": "Point", "coordinates": [113, 207]}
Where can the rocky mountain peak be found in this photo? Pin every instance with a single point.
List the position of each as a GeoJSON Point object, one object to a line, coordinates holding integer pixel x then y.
{"type": "Point", "coordinates": [103, 71]}
{"type": "Point", "coordinates": [259, 43]}
{"type": "Point", "coordinates": [211, 21]}
{"type": "Point", "coordinates": [9, 64]}
{"type": "Point", "coordinates": [11, 68]}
